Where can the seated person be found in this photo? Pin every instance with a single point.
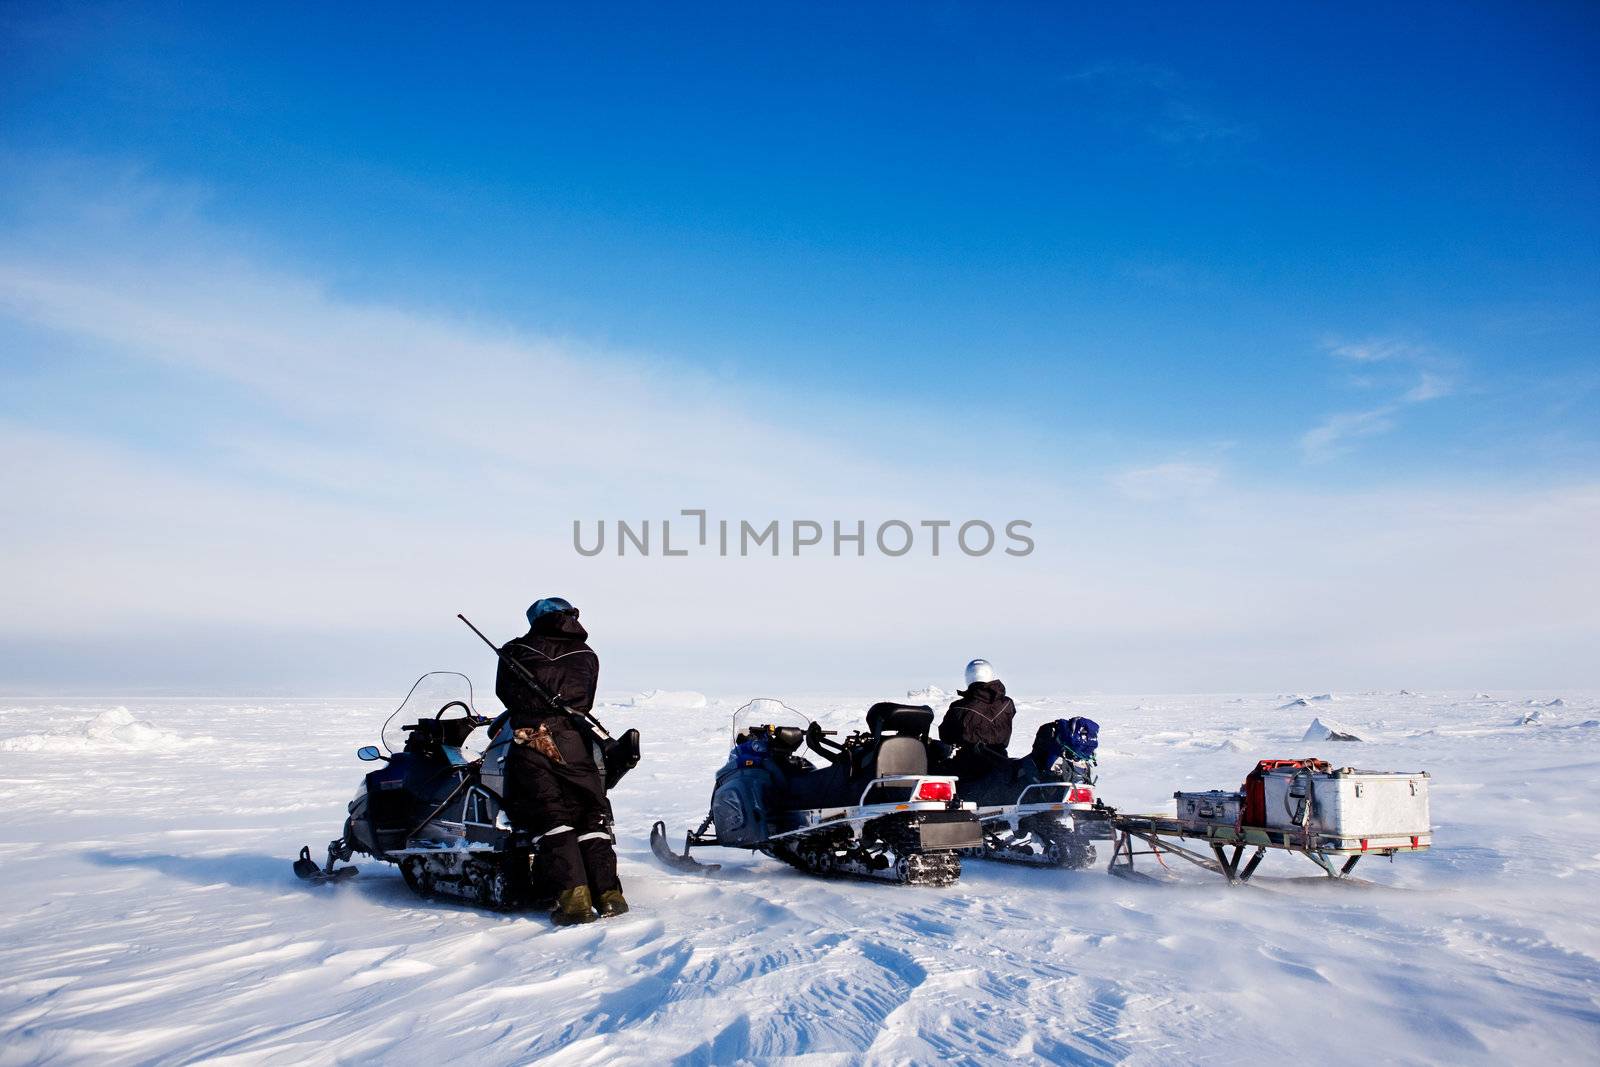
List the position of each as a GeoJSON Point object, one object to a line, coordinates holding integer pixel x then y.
{"type": "Point", "coordinates": [978, 723]}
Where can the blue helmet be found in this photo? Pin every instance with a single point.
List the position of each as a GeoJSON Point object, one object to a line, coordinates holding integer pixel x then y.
{"type": "Point", "coordinates": [548, 605]}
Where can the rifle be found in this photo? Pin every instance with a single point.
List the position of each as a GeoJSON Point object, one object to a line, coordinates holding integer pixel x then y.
{"type": "Point", "coordinates": [618, 756]}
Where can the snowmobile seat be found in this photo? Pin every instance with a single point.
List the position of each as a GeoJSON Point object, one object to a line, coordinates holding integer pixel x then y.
{"type": "Point", "coordinates": [902, 755]}
{"type": "Point", "coordinates": [906, 720]}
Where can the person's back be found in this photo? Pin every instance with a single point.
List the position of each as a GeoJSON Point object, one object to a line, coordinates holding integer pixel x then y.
{"type": "Point", "coordinates": [982, 713]}
{"type": "Point", "coordinates": [556, 652]}
{"type": "Point", "coordinates": [977, 725]}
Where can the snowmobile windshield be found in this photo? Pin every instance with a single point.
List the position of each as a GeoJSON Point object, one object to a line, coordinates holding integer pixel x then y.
{"type": "Point", "coordinates": [444, 697]}
{"type": "Point", "coordinates": [764, 711]}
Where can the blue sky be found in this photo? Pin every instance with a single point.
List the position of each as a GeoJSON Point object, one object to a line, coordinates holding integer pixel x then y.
{"type": "Point", "coordinates": [1261, 258]}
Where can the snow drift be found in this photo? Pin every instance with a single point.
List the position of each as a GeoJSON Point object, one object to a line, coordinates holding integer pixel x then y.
{"type": "Point", "coordinates": [665, 698]}
{"type": "Point", "coordinates": [1320, 730]}
{"type": "Point", "coordinates": [115, 729]}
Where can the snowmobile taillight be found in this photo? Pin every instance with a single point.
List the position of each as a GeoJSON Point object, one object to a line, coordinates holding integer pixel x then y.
{"type": "Point", "coordinates": [931, 790]}
{"type": "Point", "coordinates": [1080, 795]}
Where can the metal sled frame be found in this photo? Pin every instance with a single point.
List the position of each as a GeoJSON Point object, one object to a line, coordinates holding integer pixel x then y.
{"type": "Point", "coordinates": [1163, 835]}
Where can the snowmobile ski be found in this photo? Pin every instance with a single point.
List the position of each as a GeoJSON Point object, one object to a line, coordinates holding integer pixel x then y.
{"type": "Point", "coordinates": [678, 862]}
{"type": "Point", "coordinates": [307, 868]}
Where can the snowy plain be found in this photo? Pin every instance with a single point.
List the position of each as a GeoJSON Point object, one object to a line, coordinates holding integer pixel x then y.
{"type": "Point", "coordinates": [150, 914]}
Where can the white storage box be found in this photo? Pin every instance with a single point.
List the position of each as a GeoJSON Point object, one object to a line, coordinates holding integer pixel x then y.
{"type": "Point", "coordinates": [1210, 808]}
{"type": "Point", "coordinates": [1371, 808]}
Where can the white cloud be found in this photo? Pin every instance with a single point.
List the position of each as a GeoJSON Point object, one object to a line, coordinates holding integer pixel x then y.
{"type": "Point", "coordinates": [1333, 435]}
{"type": "Point", "coordinates": [1336, 434]}
{"type": "Point", "coordinates": [1371, 350]}
{"type": "Point", "coordinates": [1163, 481]}
{"type": "Point", "coordinates": [408, 470]}
{"type": "Point", "coordinates": [1429, 387]}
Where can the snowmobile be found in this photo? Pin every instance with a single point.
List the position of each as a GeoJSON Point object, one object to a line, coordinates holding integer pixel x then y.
{"type": "Point", "coordinates": [436, 807]}
{"type": "Point", "coordinates": [1037, 809]}
{"type": "Point", "coordinates": [871, 809]}
{"type": "Point", "coordinates": [432, 809]}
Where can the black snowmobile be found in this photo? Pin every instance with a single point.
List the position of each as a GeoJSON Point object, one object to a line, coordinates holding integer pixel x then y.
{"type": "Point", "coordinates": [871, 810]}
{"type": "Point", "coordinates": [1035, 809]}
{"type": "Point", "coordinates": [436, 809]}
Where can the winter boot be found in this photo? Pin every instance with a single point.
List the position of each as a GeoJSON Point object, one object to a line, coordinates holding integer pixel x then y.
{"type": "Point", "coordinates": [612, 903]}
{"type": "Point", "coordinates": [573, 907]}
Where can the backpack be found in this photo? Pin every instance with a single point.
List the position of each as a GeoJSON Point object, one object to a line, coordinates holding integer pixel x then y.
{"type": "Point", "coordinates": [1076, 738]}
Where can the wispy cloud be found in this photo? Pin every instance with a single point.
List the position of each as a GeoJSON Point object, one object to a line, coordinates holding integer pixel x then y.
{"type": "Point", "coordinates": [1333, 436]}
{"type": "Point", "coordinates": [1429, 387]}
{"type": "Point", "coordinates": [1164, 481]}
{"type": "Point", "coordinates": [1372, 350]}
{"type": "Point", "coordinates": [1402, 361]}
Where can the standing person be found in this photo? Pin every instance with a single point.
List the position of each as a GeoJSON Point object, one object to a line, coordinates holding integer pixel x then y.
{"type": "Point", "coordinates": [978, 723]}
{"type": "Point", "coordinates": [555, 788]}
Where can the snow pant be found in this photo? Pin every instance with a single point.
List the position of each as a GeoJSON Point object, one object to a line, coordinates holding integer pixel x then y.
{"type": "Point", "coordinates": [564, 803]}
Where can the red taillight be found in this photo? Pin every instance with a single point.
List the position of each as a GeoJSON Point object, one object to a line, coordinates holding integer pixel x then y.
{"type": "Point", "coordinates": [935, 791]}
{"type": "Point", "coordinates": [1080, 794]}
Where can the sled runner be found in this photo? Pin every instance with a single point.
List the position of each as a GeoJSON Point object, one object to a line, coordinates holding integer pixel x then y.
{"type": "Point", "coordinates": [872, 810]}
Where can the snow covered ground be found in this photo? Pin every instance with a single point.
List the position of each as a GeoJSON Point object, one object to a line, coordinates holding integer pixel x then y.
{"type": "Point", "coordinates": [150, 913]}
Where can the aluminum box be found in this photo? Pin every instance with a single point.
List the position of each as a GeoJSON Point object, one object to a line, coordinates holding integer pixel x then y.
{"type": "Point", "coordinates": [1210, 808]}
{"type": "Point", "coordinates": [1372, 807]}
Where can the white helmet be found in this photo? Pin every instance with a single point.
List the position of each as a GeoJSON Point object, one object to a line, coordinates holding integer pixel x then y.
{"type": "Point", "coordinates": [980, 670]}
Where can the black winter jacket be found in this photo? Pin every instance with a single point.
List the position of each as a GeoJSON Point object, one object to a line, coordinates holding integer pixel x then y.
{"type": "Point", "coordinates": [982, 716]}
{"type": "Point", "coordinates": [556, 651]}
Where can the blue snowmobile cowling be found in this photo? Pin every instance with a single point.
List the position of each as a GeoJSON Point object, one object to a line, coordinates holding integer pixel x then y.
{"type": "Point", "coordinates": [744, 790]}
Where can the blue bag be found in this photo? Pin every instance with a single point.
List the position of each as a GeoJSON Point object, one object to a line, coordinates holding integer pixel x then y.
{"type": "Point", "coordinates": [1081, 736]}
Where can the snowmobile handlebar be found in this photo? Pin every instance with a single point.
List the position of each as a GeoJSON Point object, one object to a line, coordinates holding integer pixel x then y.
{"type": "Point", "coordinates": [817, 737]}
{"type": "Point", "coordinates": [472, 716]}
